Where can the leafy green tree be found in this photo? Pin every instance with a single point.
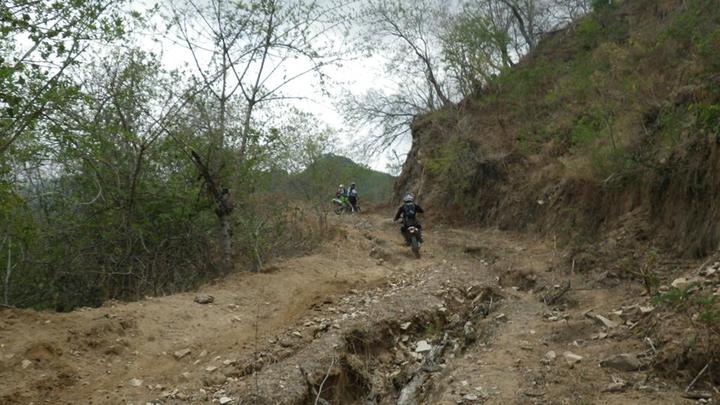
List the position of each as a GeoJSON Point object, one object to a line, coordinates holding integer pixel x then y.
{"type": "Point", "coordinates": [478, 45]}
{"type": "Point", "coordinates": [39, 41]}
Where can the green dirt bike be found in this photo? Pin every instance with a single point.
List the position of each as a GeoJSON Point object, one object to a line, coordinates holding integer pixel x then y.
{"type": "Point", "coordinates": [341, 205]}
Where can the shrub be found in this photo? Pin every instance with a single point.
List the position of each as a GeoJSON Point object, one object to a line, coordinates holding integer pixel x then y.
{"type": "Point", "coordinates": [702, 308]}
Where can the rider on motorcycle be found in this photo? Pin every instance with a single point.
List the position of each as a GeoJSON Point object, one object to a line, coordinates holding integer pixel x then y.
{"type": "Point", "coordinates": [342, 195]}
{"type": "Point", "coordinates": [408, 212]}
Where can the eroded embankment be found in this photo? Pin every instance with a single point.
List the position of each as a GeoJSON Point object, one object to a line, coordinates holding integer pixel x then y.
{"type": "Point", "coordinates": [391, 354]}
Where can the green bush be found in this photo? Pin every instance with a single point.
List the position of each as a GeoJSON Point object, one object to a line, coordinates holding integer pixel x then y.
{"type": "Point", "coordinates": [454, 163]}
{"type": "Point", "coordinates": [691, 301]}
{"type": "Point", "coordinates": [708, 116]}
{"type": "Point", "coordinates": [589, 32]}
{"type": "Point", "coordinates": [586, 130]}
{"type": "Point", "coordinates": [606, 161]}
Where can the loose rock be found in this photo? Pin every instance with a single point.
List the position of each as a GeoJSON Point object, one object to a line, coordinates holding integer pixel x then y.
{"type": "Point", "coordinates": [422, 346]}
{"type": "Point", "coordinates": [469, 332]}
{"type": "Point", "coordinates": [214, 379]}
{"type": "Point", "coordinates": [572, 358]}
{"type": "Point", "coordinates": [204, 299]}
{"type": "Point", "coordinates": [698, 395]}
{"type": "Point", "coordinates": [623, 362]}
{"type": "Point", "coordinates": [684, 282]}
{"type": "Point", "coordinates": [604, 321]}
{"type": "Point", "coordinates": [181, 353]}
{"type": "Point", "coordinates": [617, 386]}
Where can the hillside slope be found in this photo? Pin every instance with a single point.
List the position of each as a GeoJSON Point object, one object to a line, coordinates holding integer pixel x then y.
{"type": "Point", "coordinates": [612, 122]}
{"type": "Point", "coordinates": [324, 175]}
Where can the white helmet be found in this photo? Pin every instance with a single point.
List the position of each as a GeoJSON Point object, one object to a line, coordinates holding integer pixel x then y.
{"type": "Point", "coordinates": [408, 198]}
{"type": "Point", "coordinates": [341, 186]}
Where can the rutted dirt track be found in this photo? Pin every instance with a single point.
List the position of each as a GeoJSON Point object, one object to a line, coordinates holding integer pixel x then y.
{"type": "Point", "coordinates": [360, 321]}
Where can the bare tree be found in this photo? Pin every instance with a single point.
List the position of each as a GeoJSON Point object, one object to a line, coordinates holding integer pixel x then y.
{"type": "Point", "coordinates": [414, 26]}
{"type": "Point", "coordinates": [246, 54]}
{"type": "Point", "coordinates": [534, 18]}
{"type": "Point", "coordinates": [387, 116]}
{"type": "Point", "coordinates": [478, 44]}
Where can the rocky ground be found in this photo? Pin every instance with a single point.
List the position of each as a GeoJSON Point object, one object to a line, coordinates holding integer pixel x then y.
{"type": "Point", "coordinates": [483, 317]}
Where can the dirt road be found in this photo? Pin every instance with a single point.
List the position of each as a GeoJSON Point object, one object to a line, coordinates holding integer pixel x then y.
{"type": "Point", "coordinates": [359, 321]}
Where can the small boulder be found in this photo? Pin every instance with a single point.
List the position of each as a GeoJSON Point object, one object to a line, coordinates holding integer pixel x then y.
{"type": "Point", "coordinates": [684, 282]}
{"type": "Point", "coordinates": [181, 353]}
{"type": "Point", "coordinates": [213, 379]}
{"type": "Point", "coordinates": [646, 310]}
{"type": "Point", "coordinates": [136, 382]}
{"type": "Point", "coordinates": [617, 386]}
{"type": "Point", "coordinates": [225, 400]}
{"type": "Point", "coordinates": [469, 332]}
{"type": "Point", "coordinates": [699, 395]}
{"type": "Point", "coordinates": [422, 347]}
{"type": "Point", "coordinates": [623, 362]}
{"type": "Point", "coordinates": [204, 299]}
{"type": "Point", "coordinates": [572, 358]}
{"type": "Point", "coordinates": [606, 322]}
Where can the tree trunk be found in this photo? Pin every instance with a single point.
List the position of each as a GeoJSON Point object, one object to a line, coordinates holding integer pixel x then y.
{"type": "Point", "coordinates": [246, 130]}
{"type": "Point", "coordinates": [223, 209]}
{"type": "Point", "coordinates": [527, 34]}
{"type": "Point", "coordinates": [8, 272]}
{"type": "Point", "coordinates": [226, 242]}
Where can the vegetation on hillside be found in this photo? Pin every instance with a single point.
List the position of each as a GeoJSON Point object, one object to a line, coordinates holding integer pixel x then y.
{"type": "Point", "coordinates": [620, 99]}
{"type": "Point", "coordinates": [605, 137]}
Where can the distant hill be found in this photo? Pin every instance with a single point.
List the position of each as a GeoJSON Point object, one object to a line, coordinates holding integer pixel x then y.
{"type": "Point", "coordinates": [323, 177]}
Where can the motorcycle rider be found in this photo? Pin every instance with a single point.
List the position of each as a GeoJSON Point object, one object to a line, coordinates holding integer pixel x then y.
{"type": "Point", "coordinates": [353, 197]}
{"type": "Point", "coordinates": [408, 212]}
{"type": "Point", "coordinates": [342, 195]}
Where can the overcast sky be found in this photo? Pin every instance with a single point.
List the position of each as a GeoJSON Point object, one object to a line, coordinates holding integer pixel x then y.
{"type": "Point", "coordinates": [356, 75]}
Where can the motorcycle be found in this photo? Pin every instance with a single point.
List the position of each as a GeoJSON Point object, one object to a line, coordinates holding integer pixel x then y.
{"type": "Point", "coordinates": [341, 206]}
{"type": "Point", "coordinates": [413, 239]}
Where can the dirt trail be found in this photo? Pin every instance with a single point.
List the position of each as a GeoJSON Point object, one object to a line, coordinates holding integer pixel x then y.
{"type": "Point", "coordinates": [348, 322]}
